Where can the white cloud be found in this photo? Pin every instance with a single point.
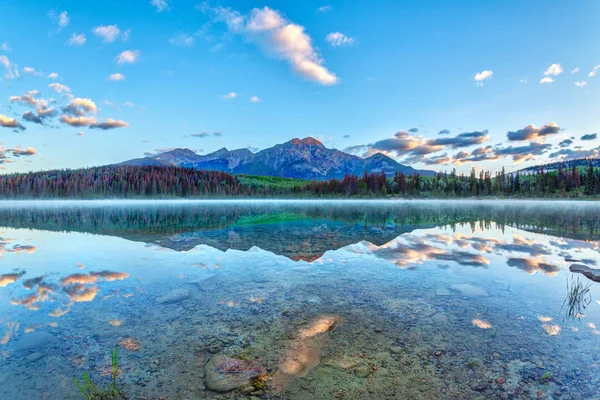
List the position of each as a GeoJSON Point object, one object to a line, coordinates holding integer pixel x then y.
{"type": "Point", "coordinates": [79, 106]}
{"type": "Point", "coordinates": [482, 76]}
{"type": "Point", "coordinates": [59, 88]}
{"type": "Point", "coordinates": [128, 57]}
{"type": "Point", "coordinates": [264, 20]}
{"type": "Point", "coordinates": [128, 104]}
{"type": "Point", "coordinates": [12, 70]}
{"type": "Point", "coordinates": [337, 39]}
{"type": "Point", "coordinates": [8, 122]}
{"type": "Point", "coordinates": [324, 9]}
{"type": "Point", "coordinates": [116, 77]}
{"type": "Point", "coordinates": [575, 70]}
{"type": "Point", "coordinates": [29, 70]}
{"type": "Point", "coordinates": [254, 99]}
{"type": "Point", "coordinates": [581, 83]}
{"type": "Point", "coordinates": [182, 39]}
{"type": "Point", "coordinates": [593, 73]}
{"type": "Point", "coordinates": [5, 47]}
{"type": "Point", "coordinates": [53, 75]}
{"type": "Point", "coordinates": [63, 20]}
{"type": "Point", "coordinates": [278, 36]}
{"type": "Point", "coordinates": [553, 70]}
{"type": "Point", "coordinates": [523, 81]}
{"type": "Point", "coordinates": [108, 33]}
{"type": "Point", "coordinates": [77, 40]}
{"type": "Point", "coordinates": [161, 5]}
{"type": "Point", "coordinates": [229, 96]}
{"type": "Point", "coordinates": [546, 80]}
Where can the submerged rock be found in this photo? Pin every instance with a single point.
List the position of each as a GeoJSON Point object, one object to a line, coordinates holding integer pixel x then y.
{"type": "Point", "coordinates": [590, 273]}
{"type": "Point", "coordinates": [174, 296]}
{"type": "Point", "coordinates": [35, 340]}
{"type": "Point", "coordinates": [223, 374]}
{"type": "Point", "coordinates": [362, 371]}
{"type": "Point", "coordinates": [469, 290]}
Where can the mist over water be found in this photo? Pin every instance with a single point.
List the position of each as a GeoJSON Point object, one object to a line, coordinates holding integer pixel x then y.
{"type": "Point", "coordinates": [333, 299]}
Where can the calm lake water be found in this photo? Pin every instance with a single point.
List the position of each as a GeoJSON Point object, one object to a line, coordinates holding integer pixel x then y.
{"type": "Point", "coordinates": [325, 300]}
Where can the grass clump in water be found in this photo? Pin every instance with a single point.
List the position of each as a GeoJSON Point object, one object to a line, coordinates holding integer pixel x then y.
{"type": "Point", "coordinates": [91, 391]}
{"type": "Point", "coordinates": [578, 298]}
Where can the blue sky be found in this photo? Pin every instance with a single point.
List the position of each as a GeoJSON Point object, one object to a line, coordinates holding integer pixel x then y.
{"type": "Point", "coordinates": [92, 83]}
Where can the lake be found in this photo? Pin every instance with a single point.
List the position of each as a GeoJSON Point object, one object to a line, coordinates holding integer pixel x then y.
{"type": "Point", "coordinates": [300, 300]}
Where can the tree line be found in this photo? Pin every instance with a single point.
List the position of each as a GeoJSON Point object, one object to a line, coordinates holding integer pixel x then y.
{"type": "Point", "coordinates": [175, 182]}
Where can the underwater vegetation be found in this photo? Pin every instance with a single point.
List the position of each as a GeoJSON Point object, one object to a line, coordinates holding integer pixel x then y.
{"type": "Point", "coordinates": [91, 391]}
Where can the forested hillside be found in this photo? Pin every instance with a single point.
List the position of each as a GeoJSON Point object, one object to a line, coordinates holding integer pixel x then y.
{"type": "Point", "coordinates": [174, 182]}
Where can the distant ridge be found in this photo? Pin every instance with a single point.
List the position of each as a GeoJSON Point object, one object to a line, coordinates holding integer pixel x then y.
{"type": "Point", "coordinates": [304, 158]}
{"type": "Point", "coordinates": [578, 162]}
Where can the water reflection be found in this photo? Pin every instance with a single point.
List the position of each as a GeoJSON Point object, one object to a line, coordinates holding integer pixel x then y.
{"type": "Point", "coordinates": [374, 300]}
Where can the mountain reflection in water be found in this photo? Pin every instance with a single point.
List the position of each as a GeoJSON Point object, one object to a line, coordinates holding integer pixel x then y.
{"type": "Point", "coordinates": [377, 300]}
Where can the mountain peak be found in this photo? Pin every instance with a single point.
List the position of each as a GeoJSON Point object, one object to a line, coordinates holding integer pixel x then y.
{"type": "Point", "coordinates": [309, 141]}
{"type": "Point", "coordinates": [304, 158]}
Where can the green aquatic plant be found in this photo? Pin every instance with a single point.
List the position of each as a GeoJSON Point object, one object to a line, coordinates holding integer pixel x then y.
{"type": "Point", "coordinates": [91, 391]}
{"type": "Point", "coordinates": [243, 354]}
{"type": "Point", "coordinates": [578, 298]}
{"type": "Point", "coordinates": [546, 378]}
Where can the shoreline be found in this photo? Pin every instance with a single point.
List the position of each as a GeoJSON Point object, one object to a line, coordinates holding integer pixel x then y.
{"type": "Point", "coordinates": [229, 200]}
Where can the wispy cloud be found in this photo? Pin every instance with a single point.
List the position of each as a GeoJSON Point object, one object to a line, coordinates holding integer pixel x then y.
{"type": "Point", "coordinates": [575, 70]}
{"type": "Point", "coordinates": [160, 5]}
{"type": "Point", "coordinates": [19, 152]}
{"type": "Point", "coordinates": [581, 83]}
{"type": "Point", "coordinates": [338, 39]}
{"type": "Point", "coordinates": [61, 19]}
{"type": "Point", "coordinates": [276, 35]}
{"type": "Point", "coordinates": [128, 57]}
{"type": "Point", "coordinates": [77, 40]}
{"type": "Point", "coordinates": [590, 136]}
{"type": "Point", "coordinates": [5, 47]}
{"type": "Point", "coordinates": [546, 79]}
{"type": "Point", "coordinates": [254, 99]}
{"type": "Point", "coordinates": [53, 75]}
{"type": "Point", "coordinates": [182, 39]}
{"type": "Point", "coordinates": [12, 70]}
{"type": "Point", "coordinates": [59, 88]}
{"type": "Point", "coordinates": [324, 9]}
{"type": "Point", "coordinates": [594, 71]}
{"type": "Point", "coordinates": [108, 124]}
{"type": "Point", "coordinates": [229, 96]}
{"type": "Point", "coordinates": [116, 77]}
{"type": "Point", "coordinates": [108, 33]}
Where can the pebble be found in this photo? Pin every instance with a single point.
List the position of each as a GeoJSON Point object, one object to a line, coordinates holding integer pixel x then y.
{"type": "Point", "coordinates": [396, 349]}
{"type": "Point", "coordinates": [362, 371]}
{"type": "Point", "coordinates": [500, 380]}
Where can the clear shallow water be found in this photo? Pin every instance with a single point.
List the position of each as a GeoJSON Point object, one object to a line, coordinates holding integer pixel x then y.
{"type": "Point", "coordinates": [353, 300]}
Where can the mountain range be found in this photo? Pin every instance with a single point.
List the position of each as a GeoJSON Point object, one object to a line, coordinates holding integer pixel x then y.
{"type": "Point", "coordinates": [299, 158]}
